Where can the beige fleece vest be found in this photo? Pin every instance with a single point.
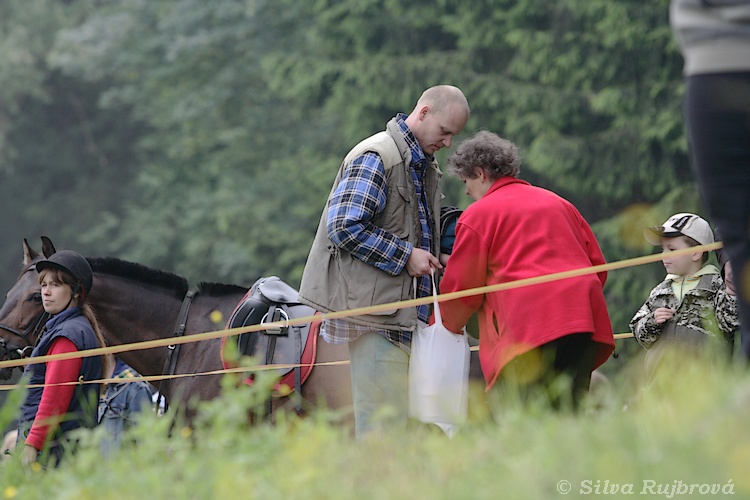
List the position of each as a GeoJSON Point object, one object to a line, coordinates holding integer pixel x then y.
{"type": "Point", "coordinates": [335, 280]}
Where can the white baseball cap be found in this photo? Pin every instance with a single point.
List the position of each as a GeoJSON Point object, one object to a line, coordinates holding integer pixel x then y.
{"type": "Point", "coordinates": [684, 224]}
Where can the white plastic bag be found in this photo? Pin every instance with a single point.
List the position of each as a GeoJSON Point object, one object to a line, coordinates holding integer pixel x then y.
{"type": "Point", "coordinates": [439, 374]}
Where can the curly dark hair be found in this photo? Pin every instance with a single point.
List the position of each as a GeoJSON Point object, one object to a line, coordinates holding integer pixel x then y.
{"type": "Point", "coordinates": [498, 157]}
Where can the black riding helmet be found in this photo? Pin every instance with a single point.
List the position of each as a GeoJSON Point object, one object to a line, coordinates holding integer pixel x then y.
{"type": "Point", "coordinates": [72, 263]}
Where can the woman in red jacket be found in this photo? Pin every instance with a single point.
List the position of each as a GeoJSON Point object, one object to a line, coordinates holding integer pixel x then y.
{"type": "Point", "coordinates": [529, 336]}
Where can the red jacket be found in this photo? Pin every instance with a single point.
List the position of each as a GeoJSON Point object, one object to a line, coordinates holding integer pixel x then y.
{"type": "Point", "coordinates": [518, 231]}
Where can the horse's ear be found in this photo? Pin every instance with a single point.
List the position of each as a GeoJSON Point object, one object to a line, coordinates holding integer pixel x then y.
{"type": "Point", "coordinates": [47, 247]}
{"type": "Point", "coordinates": [28, 253]}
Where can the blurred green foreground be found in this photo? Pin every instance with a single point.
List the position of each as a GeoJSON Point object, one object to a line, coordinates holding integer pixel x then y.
{"type": "Point", "coordinates": [688, 429]}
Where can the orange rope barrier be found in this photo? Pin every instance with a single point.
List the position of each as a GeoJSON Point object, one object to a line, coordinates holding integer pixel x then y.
{"type": "Point", "coordinates": [198, 337]}
{"type": "Point", "coordinates": [154, 378]}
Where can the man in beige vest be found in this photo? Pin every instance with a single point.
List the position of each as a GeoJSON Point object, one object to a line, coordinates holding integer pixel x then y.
{"type": "Point", "coordinates": [378, 231]}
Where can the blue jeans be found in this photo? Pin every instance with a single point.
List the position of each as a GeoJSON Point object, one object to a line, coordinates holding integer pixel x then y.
{"type": "Point", "coordinates": [121, 402]}
{"type": "Point", "coordinates": [379, 371]}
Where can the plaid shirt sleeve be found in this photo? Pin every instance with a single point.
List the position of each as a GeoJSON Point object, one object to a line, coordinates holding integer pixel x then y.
{"type": "Point", "coordinates": [358, 199]}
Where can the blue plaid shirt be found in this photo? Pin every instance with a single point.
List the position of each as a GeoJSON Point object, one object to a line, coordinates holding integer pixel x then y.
{"type": "Point", "coordinates": [361, 196]}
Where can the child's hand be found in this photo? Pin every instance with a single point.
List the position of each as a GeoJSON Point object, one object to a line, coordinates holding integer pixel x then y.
{"type": "Point", "coordinates": [663, 314]}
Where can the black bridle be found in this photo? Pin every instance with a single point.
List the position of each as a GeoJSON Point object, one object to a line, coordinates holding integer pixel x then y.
{"type": "Point", "coordinates": [30, 334]}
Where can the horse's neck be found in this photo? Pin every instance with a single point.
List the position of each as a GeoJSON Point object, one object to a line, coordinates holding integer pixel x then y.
{"type": "Point", "coordinates": [133, 313]}
{"type": "Point", "coordinates": [209, 313]}
{"type": "Point", "coordinates": [129, 312]}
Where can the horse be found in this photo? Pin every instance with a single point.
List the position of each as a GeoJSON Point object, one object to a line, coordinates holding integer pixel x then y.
{"type": "Point", "coordinates": [135, 303]}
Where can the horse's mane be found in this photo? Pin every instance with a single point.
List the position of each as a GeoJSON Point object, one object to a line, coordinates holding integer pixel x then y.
{"type": "Point", "coordinates": [219, 289]}
{"type": "Point", "coordinates": [138, 272]}
{"type": "Point", "coordinates": [156, 277]}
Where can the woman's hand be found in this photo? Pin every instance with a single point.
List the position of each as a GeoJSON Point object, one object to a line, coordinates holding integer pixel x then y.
{"type": "Point", "coordinates": [28, 455]}
{"type": "Point", "coordinates": [444, 258]}
{"type": "Point", "coordinates": [729, 278]}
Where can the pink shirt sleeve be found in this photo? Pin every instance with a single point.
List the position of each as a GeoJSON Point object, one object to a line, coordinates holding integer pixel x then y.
{"type": "Point", "coordinates": [55, 399]}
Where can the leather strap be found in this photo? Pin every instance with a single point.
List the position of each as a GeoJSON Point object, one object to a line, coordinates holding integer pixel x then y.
{"type": "Point", "coordinates": [31, 334]}
{"type": "Point", "coordinates": [274, 314]}
{"type": "Point", "coordinates": [298, 369]}
{"type": "Point", "coordinates": [173, 352]}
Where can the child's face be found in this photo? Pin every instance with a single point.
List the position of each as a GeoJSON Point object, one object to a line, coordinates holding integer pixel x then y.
{"type": "Point", "coordinates": [681, 265]}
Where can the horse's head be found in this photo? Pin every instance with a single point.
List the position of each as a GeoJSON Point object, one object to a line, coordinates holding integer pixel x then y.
{"type": "Point", "coordinates": [22, 315]}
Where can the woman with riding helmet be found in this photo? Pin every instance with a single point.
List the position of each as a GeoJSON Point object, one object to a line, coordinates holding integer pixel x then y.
{"type": "Point", "coordinates": [51, 410]}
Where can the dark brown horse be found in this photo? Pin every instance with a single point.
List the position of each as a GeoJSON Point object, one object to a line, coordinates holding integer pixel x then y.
{"type": "Point", "coordinates": [135, 303]}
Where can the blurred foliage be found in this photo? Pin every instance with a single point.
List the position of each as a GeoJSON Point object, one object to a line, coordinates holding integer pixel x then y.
{"type": "Point", "coordinates": [202, 137]}
{"type": "Point", "coordinates": [688, 428]}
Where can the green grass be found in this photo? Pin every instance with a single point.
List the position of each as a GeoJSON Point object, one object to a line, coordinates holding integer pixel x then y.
{"type": "Point", "coordinates": [689, 427]}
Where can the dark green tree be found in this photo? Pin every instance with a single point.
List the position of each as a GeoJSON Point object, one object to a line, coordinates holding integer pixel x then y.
{"type": "Point", "coordinates": [590, 91]}
{"type": "Point", "coordinates": [63, 161]}
{"type": "Point", "coordinates": [213, 130]}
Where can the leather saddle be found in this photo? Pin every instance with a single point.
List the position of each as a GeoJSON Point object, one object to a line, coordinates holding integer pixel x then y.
{"type": "Point", "coordinates": [270, 300]}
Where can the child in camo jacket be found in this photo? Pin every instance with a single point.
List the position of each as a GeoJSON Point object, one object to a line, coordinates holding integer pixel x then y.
{"type": "Point", "coordinates": [692, 307]}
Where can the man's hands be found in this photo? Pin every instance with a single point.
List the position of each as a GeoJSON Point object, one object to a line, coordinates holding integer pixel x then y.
{"type": "Point", "coordinates": [421, 262]}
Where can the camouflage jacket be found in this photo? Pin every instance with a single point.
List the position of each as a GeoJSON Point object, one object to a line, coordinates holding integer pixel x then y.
{"type": "Point", "coordinates": [707, 311]}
